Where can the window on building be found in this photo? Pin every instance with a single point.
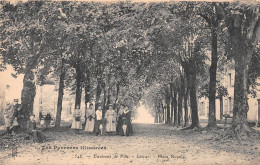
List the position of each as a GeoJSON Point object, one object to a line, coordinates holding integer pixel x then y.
{"type": "Point", "coordinates": [230, 105]}
{"type": "Point", "coordinates": [225, 106]}
{"type": "Point", "coordinates": [229, 80]}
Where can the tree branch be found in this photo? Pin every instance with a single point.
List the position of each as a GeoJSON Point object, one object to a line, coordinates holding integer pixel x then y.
{"type": "Point", "coordinates": [206, 18]}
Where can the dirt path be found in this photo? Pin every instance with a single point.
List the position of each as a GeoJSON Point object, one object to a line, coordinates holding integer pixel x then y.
{"type": "Point", "coordinates": [151, 144]}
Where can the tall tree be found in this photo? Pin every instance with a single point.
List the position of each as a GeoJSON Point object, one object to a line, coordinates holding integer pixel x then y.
{"type": "Point", "coordinates": [211, 16]}
{"type": "Point", "coordinates": [24, 42]}
{"type": "Point", "coordinates": [243, 23]}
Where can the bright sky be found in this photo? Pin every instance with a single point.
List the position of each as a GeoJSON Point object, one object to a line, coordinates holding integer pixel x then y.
{"type": "Point", "coordinates": [143, 115]}
{"type": "Point", "coordinates": [16, 84]}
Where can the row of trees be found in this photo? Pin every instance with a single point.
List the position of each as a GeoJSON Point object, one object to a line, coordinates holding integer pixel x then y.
{"type": "Point", "coordinates": [82, 45]}
{"type": "Point", "coordinates": [206, 35]}
{"type": "Point", "coordinates": [124, 50]}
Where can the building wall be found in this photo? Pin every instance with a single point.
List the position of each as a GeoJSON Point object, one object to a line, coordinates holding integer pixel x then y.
{"type": "Point", "coordinates": [46, 99]}
{"type": "Point", "coordinates": [228, 101]}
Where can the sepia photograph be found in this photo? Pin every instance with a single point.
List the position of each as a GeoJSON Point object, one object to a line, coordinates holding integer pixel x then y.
{"type": "Point", "coordinates": [115, 82]}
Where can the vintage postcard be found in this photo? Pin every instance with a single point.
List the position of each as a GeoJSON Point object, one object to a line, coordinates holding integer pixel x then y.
{"type": "Point", "coordinates": [130, 82]}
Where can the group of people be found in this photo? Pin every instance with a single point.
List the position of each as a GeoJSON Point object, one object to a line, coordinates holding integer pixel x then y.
{"type": "Point", "coordinates": [114, 122]}
{"type": "Point", "coordinates": [13, 117]}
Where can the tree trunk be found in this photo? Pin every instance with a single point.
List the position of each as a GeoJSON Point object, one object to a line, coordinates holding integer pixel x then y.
{"type": "Point", "coordinates": [180, 103]}
{"type": "Point", "coordinates": [240, 124]}
{"type": "Point", "coordinates": [87, 88]}
{"type": "Point", "coordinates": [28, 93]}
{"type": "Point", "coordinates": [171, 100]}
{"type": "Point", "coordinates": [175, 107]}
{"type": "Point", "coordinates": [186, 116]}
{"type": "Point", "coordinates": [156, 117]}
{"type": "Point", "coordinates": [167, 99]}
{"type": "Point", "coordinates": [213, 72]}
{"type": "Point", "coordinates": [60, 96]}
{"type": "Point", "coordinates": [98, 92]}
{"type": "Point", "coordinates": [117, 92]}
{"type": "Point", "coordinates": [108, 91]}
{"type": "Point", "coordinates": [78, 86]}
{"type": "Point", "coordinates": [243, 50]}
{"type": "Point", "coordinates": [163, 113]}
{"type": "Point", "coordinates": [193, 102]}
{"type": "Point", "coordinates": [221, 107]}
{"type": "Point", "coordinates": [104, 99]}
{"type": "Point", "coordinates": [29, 89]}
{"type": "Point", "coordinates": [160, 116]}
{"type": "Point", "coordinates": [159, 113]}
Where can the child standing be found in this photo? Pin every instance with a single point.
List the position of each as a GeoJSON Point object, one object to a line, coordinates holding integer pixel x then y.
{"type": "Point", "coordinates": [98, 120]}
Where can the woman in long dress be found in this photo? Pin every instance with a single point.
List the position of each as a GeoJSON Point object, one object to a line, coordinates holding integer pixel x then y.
{"type": "Point", "coordinates": [90, 117]}
{"type": "Point", "coordinates": [110, 117]}
{"type": "Point", "coordinates": [76, 123]}
{"type": "Point", "coordinates": [119, 119]}
{"type": "Point", "coordinates": [126, 119]}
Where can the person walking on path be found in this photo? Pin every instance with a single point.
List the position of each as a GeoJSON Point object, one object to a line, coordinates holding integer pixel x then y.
{"type": "Point", "coordinates": [110, 117]}
{"type": "Point", "coordinates": [76, 123]}
{"type": "Point", "coordinates": [90, 118]}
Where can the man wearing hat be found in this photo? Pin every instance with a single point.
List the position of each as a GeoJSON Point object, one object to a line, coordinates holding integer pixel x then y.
{"type": "Point", "coordinates": [32, 130]}
{"type": "Point", "coordinates": [110, 117]}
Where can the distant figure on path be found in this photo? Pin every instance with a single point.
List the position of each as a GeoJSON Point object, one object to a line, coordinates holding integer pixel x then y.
{"type": "Point", "coordinates": [76, 123]}
{"type": "Point", "coordinates": [98, 123]}
{"type": "Point", "coordinates": [90, 118]}
{"type": "Point", "coordinates": [42, 117]}
{"type": "Point", "coordinates": [110, 117]}
{"type": "Point", "coordinates": [48, 120]}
